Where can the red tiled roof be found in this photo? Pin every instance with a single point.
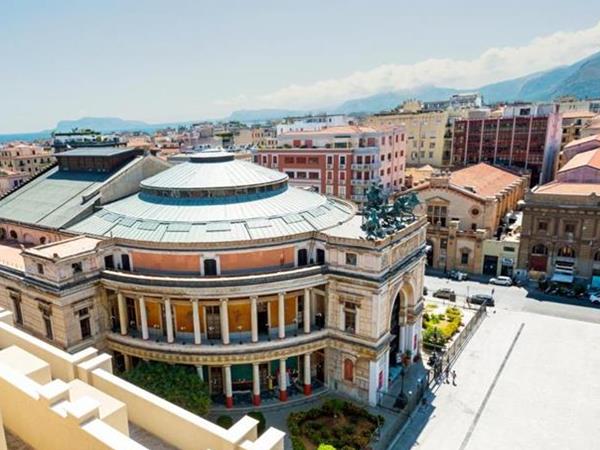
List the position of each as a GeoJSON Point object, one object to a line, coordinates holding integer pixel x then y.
{"type": "Point", "coordinates": [595, 137]}
{"type": "Point", "coordinates": [558, 188]}
{"type": "Point", "coordinates": [484, 179]}
{"type": "Point", "coordinates": [590, 158]}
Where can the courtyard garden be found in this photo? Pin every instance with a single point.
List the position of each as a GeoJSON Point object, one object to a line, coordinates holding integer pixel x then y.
{"type": "Point", "coordinates": [177, 384]}
{"type": "Point", "coordinates": [337, 424]}
{"type": "Point", "coordinates": [440, 325]}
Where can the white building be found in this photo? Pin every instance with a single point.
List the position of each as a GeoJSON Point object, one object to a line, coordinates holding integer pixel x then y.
{"type": "Point", "coordinates": [312, 123]}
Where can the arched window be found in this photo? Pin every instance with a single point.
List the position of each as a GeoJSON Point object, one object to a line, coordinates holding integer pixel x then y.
{"type": "Point", "coordinates": [539, 249]}
{"type": "Point", "coordinates": [597, 255]}
{"type": "Point", "coordinates": [348, 370]}
{"type": "Point", "coordinates": [43, 240]}
{"type": "Point", "coordinates": [566, 252]}
{"type": "Point", "coordinates": [2, 233]}
{"type": "Point", "coordinates": [13, 234]}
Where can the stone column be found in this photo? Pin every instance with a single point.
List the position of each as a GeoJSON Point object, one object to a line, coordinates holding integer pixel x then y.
{"type": "Point", "coordinates": [143, 317]}
{"type": "Point", "coordinates": [128, 362]}
{"type": "Point", "coordinates": [306, 312]}
{"type": "Point", "coordinates": [255, 384]}
{"type": "Point", "coordinates": [228, 387]}
{"type": "Point", "coordinates": [169, 319]}
{"type": "Point", "coordinates": [200, 372]}
{"type": "Point", "coordinates": [254, 318]}
{"type": "Point", "coordinates": [281, 314]}
{"type": "Point", "coordinates": [307, 377]}
{"type": "Point", "coordinates": [224, 321]}
{"type": "Point", "coordinates": [122, 313]}
{"type": "Point", "coordinates": [283, 393]}
{"type": "Point", "coordinates": [196, 319]}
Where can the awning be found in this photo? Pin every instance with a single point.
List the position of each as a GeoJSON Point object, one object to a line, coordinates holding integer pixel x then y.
{"type": "Point", "coordinates": [508, 262]}
{"type": "Point", "coordinates": [562, 277]}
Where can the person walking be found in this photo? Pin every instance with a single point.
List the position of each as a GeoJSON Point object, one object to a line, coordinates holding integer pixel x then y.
{"type": "Point", "coordinates": [453, 377]}
{"type": "Point", "coordinates": [447, 374]}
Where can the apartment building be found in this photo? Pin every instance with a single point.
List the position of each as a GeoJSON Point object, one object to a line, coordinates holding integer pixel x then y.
{"type": "Point", "coordinates": [312, 123]}
{"type": "Point", "coordinates": [341, 161]}
{"type": "Point", "coordinates": [20, 161]}
{"type": "Point", "coordinates": [520, 137]}
{"type": "Point", "coordinates": [428, 134]}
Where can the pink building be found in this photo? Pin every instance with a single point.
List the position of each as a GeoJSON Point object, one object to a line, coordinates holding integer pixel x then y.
{"type": "Point", "coordinates": [341, 161]}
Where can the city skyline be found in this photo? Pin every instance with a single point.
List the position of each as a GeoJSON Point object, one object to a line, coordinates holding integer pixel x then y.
{"type": "Point", "coordinates": [191, 62]}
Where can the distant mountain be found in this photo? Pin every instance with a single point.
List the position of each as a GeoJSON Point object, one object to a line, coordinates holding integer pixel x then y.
{"type": "Point", "coordinates": [102, 124]}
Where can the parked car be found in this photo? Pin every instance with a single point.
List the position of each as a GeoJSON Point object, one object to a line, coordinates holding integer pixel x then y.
{"type": "Point", "coordinates": [480, 299]}
{"type": "Point", "coordinates": [458, 275]}
{"type": "Point", "coordinates": [595, 297]}
{"type": "Point", "coordinates": [445, 293]}
{"type": "Point", "coordinates": [501, 281]}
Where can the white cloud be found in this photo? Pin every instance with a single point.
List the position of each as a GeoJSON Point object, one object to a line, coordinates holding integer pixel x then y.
{"type": "Point", "coordinates": [495, 64]}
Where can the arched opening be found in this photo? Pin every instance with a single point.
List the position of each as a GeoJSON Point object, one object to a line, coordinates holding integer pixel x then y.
{"type": "Point", "coordinates": [597, 255]}
{"type": "Point", "coordinates": [42, 240]}
{"type": "Point", "coordinates": [2, 234]}
{"type": "Point", "coordinates": [539, 249]}
{"type": "Point", "coordinates": [13, 234]}
{"type": "Point", "coordinates": [395, 331]}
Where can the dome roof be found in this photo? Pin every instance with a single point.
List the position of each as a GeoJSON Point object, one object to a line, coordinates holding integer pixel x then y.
{"type": "Point", "coordinates": [214, 174]}
{"type": "Point", "coordinates": [216, 198]}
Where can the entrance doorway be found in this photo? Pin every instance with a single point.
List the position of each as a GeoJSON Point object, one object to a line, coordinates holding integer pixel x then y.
{"type": "Point", "coordinates": [216, 380]}
{"type": "Point", "coordinates": [490, 265]}
{"type": "Point", "coordinates": [262, 317]}
{"type": "Point", "coordinates": [131, 314]}
{"type": "Point", "coordinates": [318, 359]}
{"type": "Point", "coordinates": [395, 332]}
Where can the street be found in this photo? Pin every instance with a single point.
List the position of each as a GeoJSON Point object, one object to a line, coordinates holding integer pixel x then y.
{"type": "Point", "coordinates": [527, 379]}
{"type": "Point", "coordinates": [515, 298]}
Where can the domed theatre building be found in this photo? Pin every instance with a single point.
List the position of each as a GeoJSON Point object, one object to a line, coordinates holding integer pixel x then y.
{"type": "Point", "coordinates": [268, 290]}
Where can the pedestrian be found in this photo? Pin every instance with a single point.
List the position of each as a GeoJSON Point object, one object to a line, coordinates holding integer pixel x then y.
{"type": "Point", "coordinates": [447, 374]}
{"type": "Point", "coordinates": [454, 377]}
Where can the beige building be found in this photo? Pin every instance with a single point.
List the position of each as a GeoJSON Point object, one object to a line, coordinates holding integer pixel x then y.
{"type": "Point", "coordinates": [464, 209]}
{"type": "Point", "coordinates": [214, 262]}
{"type": "Point", "coordinates": [428, 134]}
{"type": "Point", "coordinates": [27, 159]}
{"type": "Point", "coordinates": [51, 399]}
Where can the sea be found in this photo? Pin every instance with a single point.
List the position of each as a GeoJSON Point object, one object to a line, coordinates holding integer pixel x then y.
{"type": "Point", "coordinates": [27, 137]}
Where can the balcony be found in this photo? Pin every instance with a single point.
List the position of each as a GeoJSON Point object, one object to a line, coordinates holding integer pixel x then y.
{"type": "Point", "coordinates": [359, 197]}
{"type": "Point", "coordinates": [369, 166]}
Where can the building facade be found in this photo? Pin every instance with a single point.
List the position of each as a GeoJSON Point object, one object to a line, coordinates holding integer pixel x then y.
{"type": "Point", "coordinates": [522, 137]}
{"type": "Point", "coordinates": [312, 123]}
{"type": "Point", "coordinates": [428, 134]}
{"type": "Point", "coordinates": [465, 209]}
{"type": "Point", "coordinates": [341, 161]}
{"type": "Point", "coordinates": [560, 236]}
{"type": "Point", "coordinates": [217, 263]}
{"type": "Point", "coordinates": [27, 159]}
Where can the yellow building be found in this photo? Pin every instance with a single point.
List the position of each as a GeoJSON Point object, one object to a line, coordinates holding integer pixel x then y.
{"type": "Point", "coordinates": [428, 134]}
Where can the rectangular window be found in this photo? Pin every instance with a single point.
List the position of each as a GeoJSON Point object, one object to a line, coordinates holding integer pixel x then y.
{"type": "Point", "coordinates": [342, 191]}
{"type": "Point", "coordinates": [77, 267]}
{"type": "Point", "coordinates": [48, 325]}
{"type": "Point", "coordinates": [350, 317]}
{"type": "Point", "coordinates": [274, 159]}
{"type": "Point", "coordinates": [542, 225]}
{"type": "Point", "coordinates": [84, 323]}
{"type": "Point", "coordinates": [464, 258]}
{"type": "Point", "coordinates": [16, 301]}
{"type": "Point", "coordinates": [289, 160]}
{"type": "Point", "coordinates": [313, 175]}
{"type": "Point", "coordinates": [569, 228]}
{"type": "Point", "coordinates": [437, 215]}
{"type": "Point", "coordinates": [109, 262]}
{"type": "Point", "coordinates": [342, 160]}
{"type": "Point", "coordinates": [329, 160]}
{"type": "Point", "coordinates": [351, 259]}
{"type": "Point", "coordinates": [40, 268]}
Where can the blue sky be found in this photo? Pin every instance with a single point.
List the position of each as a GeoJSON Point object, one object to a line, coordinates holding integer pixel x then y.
{"type": "Point", "coordinates": [181, 60]}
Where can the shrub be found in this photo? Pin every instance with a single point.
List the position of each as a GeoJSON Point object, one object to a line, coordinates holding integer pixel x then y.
{"type": "Point", "coordinates": [326, 447]}
{"type": "Point", "coordinates": [225, 422]}
{"type": "Point", "coordinates": [297, 443]}
{"type": "Point", "coordinates": [177, 384]}
{"type": "Point", "coordinates": [262, 422]}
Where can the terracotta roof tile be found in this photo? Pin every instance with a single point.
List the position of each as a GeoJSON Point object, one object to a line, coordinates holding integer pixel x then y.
{"type": "Point", "coordinates": [595, 137]}
{"type": "Point", "coordinates": [484, 179]}
{"type": "Point", "coordinates": [590, 158]}
{"type": "Point", "coordinates": [558, 188]}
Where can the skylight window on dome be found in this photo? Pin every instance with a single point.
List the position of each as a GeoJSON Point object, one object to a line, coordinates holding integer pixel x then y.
{"type": "Point", "coordinates": [149, 225]}
{"type": "Point", "coordinates": [320, 211]}
{"type": "Point", "coordinates": [111, 217]}
{"type": "Point", "coordinates": [179, 227]}
{"type": "Point", "coordinates": [218, 226]}
{"type": "Point", "coordinates": [293, 218]}
{"type": "Point", "coordinates": [258, 223]}
{"type": "Point", "coordinates": [127, 222]}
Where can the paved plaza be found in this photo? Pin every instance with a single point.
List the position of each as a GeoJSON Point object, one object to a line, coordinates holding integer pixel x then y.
{"type": "Point", "coordinates": [524, 381]}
